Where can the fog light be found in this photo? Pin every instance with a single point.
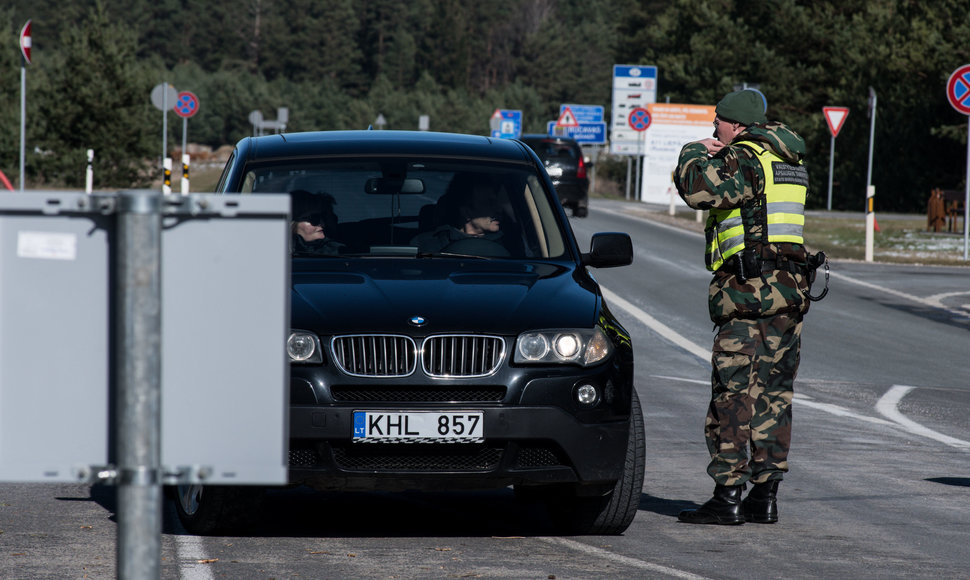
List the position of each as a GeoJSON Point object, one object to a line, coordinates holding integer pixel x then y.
{"type": "Point", "coordinates": [586, 395]}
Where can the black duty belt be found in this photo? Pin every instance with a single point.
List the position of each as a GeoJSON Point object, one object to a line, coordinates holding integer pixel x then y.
{"type": "Point", "coordinates": [747, 265]}
{"type": "Point", "coordinates": [753, 266]}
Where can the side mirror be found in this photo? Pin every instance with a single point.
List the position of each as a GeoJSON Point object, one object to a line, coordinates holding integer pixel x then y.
{"type": "Point", "coordinates": [608, 250]}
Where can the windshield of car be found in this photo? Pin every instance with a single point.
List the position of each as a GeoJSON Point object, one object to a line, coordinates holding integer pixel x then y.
{"type": "Point", "coordinates": [423, 208]}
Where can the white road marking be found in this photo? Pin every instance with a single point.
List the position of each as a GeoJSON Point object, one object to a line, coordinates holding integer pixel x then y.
{"type": "Point", "coordinates": [656, 325]}
{"type": "Point", "coordinates": [887, 405]}
{"type": "Point", "coordinates": [626, 560]}
{"type": "Point", "coordinates": [935, 301]}
{"type": "Point", "coordinates": [191, 557]}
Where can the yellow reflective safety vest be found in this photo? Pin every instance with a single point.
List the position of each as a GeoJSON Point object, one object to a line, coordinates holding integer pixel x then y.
{"type": "Point", "coordinates": [786, 186]}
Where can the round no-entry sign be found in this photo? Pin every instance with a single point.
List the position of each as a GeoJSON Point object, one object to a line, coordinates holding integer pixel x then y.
{"type": "Point", "coordinates": [958, 89]}
{"type": "Point", "coordinates": [187, 104]}
{"type": "Point", "coordinates": [639, 119]}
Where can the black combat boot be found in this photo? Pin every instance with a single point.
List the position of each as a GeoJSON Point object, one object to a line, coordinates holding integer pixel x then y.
{"type": "Point", "coordinates": [761, 505]}
{"type": "Point", "coordinates": [723, 508]}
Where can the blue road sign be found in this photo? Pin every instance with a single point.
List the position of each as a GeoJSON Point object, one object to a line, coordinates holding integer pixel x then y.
{"type": "Point", "coordinates": [584, 113]}
{"type": "Point", "coordinates": [506, 124]}
{"type": "Point", "coordinates": [589, 133]}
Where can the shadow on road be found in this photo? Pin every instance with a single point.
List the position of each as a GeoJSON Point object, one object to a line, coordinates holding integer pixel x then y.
{"type": "Point", "coordinates": [303, 512]}
{"type": "Point", "coordinates": [665, 507]}
{"type": "Point", "coordinates": [957, 481]}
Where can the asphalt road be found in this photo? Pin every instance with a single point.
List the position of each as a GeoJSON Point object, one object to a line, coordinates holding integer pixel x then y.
{"type": "Point", "coordinates": [879, 486]}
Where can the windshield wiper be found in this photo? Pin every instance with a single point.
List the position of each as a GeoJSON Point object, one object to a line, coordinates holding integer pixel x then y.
{"type": "Point", "coordinates": [450, 255]}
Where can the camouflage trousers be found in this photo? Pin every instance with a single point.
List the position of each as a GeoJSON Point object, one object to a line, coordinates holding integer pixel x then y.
{"type": "Point", "coordinates": [748, 427]}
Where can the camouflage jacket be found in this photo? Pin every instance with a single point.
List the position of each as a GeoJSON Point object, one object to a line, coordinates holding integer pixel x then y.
{"type": "Point", "coordinates": [734, 178]}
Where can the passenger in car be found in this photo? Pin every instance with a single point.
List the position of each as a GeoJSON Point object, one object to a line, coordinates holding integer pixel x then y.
{"type": "Point", "coordinates": [477, 219]}
{"type": "Point", "coordinates": [313, 216]}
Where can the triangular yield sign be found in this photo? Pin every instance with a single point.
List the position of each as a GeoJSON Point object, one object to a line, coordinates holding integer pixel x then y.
{"type": "Point", "coordinates": [567, 119]}
{"type": "Point", "coordinates": [835, 117]}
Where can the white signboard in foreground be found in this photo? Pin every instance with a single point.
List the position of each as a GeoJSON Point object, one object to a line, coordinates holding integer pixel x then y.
{"type": "Point", "coordinates": [672, 126]}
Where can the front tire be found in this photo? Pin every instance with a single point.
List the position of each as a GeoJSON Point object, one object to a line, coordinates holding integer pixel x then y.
{"type": "Point", "coordinates": [612, 513]}
{"type": "Point", "coordinates": [212, 509]}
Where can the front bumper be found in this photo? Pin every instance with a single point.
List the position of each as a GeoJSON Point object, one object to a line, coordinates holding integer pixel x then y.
{"type": "Point", "coordinates": [534, 445]}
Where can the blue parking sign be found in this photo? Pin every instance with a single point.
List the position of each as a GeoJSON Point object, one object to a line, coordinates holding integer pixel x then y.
{"type": "Point", "coordinates": [506, 124]}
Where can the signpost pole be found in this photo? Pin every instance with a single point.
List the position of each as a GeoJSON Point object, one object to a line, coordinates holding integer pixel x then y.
{"type": "Point", "coordinates": [138, 352]}
{"type": "Point", "coordinates": [26, 44]}
{"type": "Point", "coordinates": [831, 170]}
{"type": "Point", "coordinates": [165, 108]}
{"type": "Point", "coordinates": [629, 163]}
{"type": "Point", "coordinates": [23, 119]}
{"type": "Point", "coordinates": [872, 135]}
{"type": "Point", "coordinates": [966, 199]}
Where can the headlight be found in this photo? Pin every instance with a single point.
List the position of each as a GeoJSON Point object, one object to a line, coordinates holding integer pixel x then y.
{"type": "Point", "coordinates": [303, 347]}
{"type": "Point", "coordinates": [583, 347]}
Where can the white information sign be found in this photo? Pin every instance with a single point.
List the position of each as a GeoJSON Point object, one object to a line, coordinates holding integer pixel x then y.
{"type": "Point", "coordinates": [634, 87]}
{"type": "Point", "coordinates": [671, 127]}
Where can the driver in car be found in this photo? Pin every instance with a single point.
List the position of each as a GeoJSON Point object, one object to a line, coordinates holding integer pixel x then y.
{"type": "Point", "coordinates": [478, 218]}
{"type": "Point", "coordinates": [313, 216]}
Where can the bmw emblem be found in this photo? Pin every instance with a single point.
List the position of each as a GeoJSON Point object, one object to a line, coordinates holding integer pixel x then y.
{"type": "Point", "coordinates": [417, 321]}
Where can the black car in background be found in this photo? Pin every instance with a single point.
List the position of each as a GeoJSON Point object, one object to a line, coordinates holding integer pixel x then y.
{"type": "Point", "coordinates": [445, 332]}
{"type": "Point", "coordinates": [563, 160]}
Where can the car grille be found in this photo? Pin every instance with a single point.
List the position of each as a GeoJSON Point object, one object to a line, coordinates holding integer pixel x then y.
{"type": "Point", "coordinates": [417, 457]}
{"type": "Point", "coordinates": [462, 355]}
{"type": "Point", "coordinates": [445, 356]}
{"type": "Point", "coordinates": [416, 394]}
{"type": "Point", "coordinates": [370, 355]}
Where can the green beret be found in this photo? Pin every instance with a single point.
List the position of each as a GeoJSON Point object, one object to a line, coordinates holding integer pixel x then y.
{"type": "Point", "coordinates": [745, 106]}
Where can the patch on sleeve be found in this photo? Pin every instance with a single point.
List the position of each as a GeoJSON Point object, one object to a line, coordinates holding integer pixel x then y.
{"type": "Point", "coordinates": [789, 174]}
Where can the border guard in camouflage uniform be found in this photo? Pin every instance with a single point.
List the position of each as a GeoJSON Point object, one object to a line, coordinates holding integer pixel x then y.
{"type": "Point", "coordinates": [751, 179]}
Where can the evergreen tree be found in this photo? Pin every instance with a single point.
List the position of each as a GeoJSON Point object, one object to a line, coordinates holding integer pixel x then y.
{"type": "Point", "coordinates": [95, 95]}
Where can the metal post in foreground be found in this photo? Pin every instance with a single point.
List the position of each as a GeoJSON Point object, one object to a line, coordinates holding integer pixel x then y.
{"type": "Point", "coordinates": [138, 371]}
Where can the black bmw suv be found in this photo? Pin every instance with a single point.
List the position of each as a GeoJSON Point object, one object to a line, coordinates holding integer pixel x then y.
{"type": "Point", "coordinates": [563, 160]}
{"type": "Point", "coordinates": [445, 332]}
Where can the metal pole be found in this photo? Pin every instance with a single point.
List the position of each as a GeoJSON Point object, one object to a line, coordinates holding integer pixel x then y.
{"type": "Point", "coordinates": [831, 170]}
{"type": "Point", "coordinates": [872, 134]}
{"type": "Point", "coordinates": [165, 120]}
{"type": "Point", "coordinates": [23, 120]}
{"type": "Point", "coordinates": [138, 346]}
{"type": "Point", "coordinates": [966, 199]}
{"type": "Point", "coordinates": [629, 162]}
{"type": "Point", "coordinates": [185, 132]}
